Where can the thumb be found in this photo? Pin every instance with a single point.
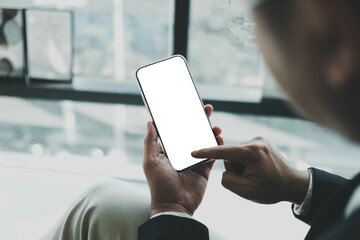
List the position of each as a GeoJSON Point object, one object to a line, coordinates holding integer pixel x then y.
{"type": "Point", "coordinates": [150, 143]}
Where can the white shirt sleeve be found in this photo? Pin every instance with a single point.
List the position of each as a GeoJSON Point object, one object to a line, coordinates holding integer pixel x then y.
{"type": "Point", "coordinates": [304, 208]}
{"type": "Point", "coordinates": [177, 214]}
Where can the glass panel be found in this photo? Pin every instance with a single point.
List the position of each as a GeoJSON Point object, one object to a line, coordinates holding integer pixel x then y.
{"type": "Point", "coordinates": [49, 44]}
{"type": "Point", "coordinates": [11, 43]}
{"type": "Point", "coordinates": [223, 53]}
{"type": "Point", "coordinates": [94, 41]}
{"type": "Point", "coordinates": [148, 27]}
{"type": "Point", "coordinates": [114, 38]}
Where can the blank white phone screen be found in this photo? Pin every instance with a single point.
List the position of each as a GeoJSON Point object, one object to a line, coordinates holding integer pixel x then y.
{"type": "Point", "coordinates": [177, 110]}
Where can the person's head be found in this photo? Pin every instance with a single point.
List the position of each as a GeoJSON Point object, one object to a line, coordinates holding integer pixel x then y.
{"type": "Point", "coordinates": [313, 50]}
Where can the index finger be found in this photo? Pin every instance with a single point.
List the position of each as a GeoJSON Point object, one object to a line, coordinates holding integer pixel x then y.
{"type": "Point", "coordinates": [238, 155]}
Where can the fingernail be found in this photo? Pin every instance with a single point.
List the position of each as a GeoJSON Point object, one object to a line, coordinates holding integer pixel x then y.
{"type": "Point", "coordinates": [193, 153]}
{"type": "Point", "coordinates": [148, 126]}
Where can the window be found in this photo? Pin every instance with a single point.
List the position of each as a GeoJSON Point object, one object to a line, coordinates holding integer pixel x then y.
{"type": "Point", "coordinates": [113, 37]}
{"type": "Point", "coordinates": [223, 53]}
{"type": "Point", "coordinates": [49, 44]}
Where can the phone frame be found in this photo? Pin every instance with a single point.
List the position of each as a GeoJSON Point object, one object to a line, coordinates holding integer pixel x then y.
{"type": "Point", "coordinates": [149, 110]}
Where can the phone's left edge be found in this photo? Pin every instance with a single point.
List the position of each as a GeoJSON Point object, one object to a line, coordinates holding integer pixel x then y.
{"type": "Point", "coordinates": [147, 106]}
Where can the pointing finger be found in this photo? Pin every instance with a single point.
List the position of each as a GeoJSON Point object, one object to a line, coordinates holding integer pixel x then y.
{"type": "Point", "coordinates": [233, 154]}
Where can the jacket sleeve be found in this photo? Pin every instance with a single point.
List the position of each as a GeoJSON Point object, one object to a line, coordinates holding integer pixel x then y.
{"type": "Point", "coordinates": [172, 227]}
{"type": "Point", "coordinates": [324, 185]}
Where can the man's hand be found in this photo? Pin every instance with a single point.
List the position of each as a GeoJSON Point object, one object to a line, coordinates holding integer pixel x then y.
{"type": "Point", "coordinates": [257, 171]}
{"type": "Point", "coordinates": [172, 190]}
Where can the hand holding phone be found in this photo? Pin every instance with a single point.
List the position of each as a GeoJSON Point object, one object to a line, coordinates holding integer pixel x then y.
{"type": "Point", "coordinates": [172, 190]}
{"type": "Point", "coordinates": [178, 113]}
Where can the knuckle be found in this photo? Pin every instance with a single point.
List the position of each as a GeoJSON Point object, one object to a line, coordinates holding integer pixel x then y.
{"type": "Point", "coordinates": [259, 148]}
{"type": "Point", "coordinates": [253, 147]}
{"type": "Point", "coordinates": [258, 138]}
{"type": "Point", "coordinates": [264, 149]}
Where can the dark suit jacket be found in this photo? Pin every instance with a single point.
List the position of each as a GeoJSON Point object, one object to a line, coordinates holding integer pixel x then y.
{"type": "Point", "coordinates": [326, 215]}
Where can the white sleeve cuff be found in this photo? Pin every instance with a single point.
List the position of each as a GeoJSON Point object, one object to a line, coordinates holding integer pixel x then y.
{"type": "Point", "coordinates": [303, 209]}
{"type": "Point", "coordinates": [178, 214]}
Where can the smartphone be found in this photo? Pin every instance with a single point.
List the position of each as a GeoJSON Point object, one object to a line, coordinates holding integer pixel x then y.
{"type": "Point", "coordinates": [170, 95]}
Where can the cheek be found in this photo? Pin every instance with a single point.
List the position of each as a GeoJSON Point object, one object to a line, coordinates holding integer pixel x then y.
{"type": "Point", "coordinates": [281, 62]}
{"type": "Point", "coordinates": [296, 70]}
{"type": "Point", "coordinates": [298, 82]}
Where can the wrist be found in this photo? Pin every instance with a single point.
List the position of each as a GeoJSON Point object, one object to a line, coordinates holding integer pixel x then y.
{"type": "Point", "coordinates": [298, 185]}
{"type": "Point", "coordinates": [159, 207]}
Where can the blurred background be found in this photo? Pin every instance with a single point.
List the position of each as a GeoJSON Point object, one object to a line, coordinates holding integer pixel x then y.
{"type": "Point", "coordinates": [71, 113]}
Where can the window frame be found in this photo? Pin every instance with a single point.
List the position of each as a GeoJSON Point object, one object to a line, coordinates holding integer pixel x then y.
{"type": "Point", "coordinates": [128, 93]}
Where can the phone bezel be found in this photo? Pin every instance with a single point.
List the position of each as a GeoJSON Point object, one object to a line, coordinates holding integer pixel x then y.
{"type": "Point", "coordinates": [149, 110]}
